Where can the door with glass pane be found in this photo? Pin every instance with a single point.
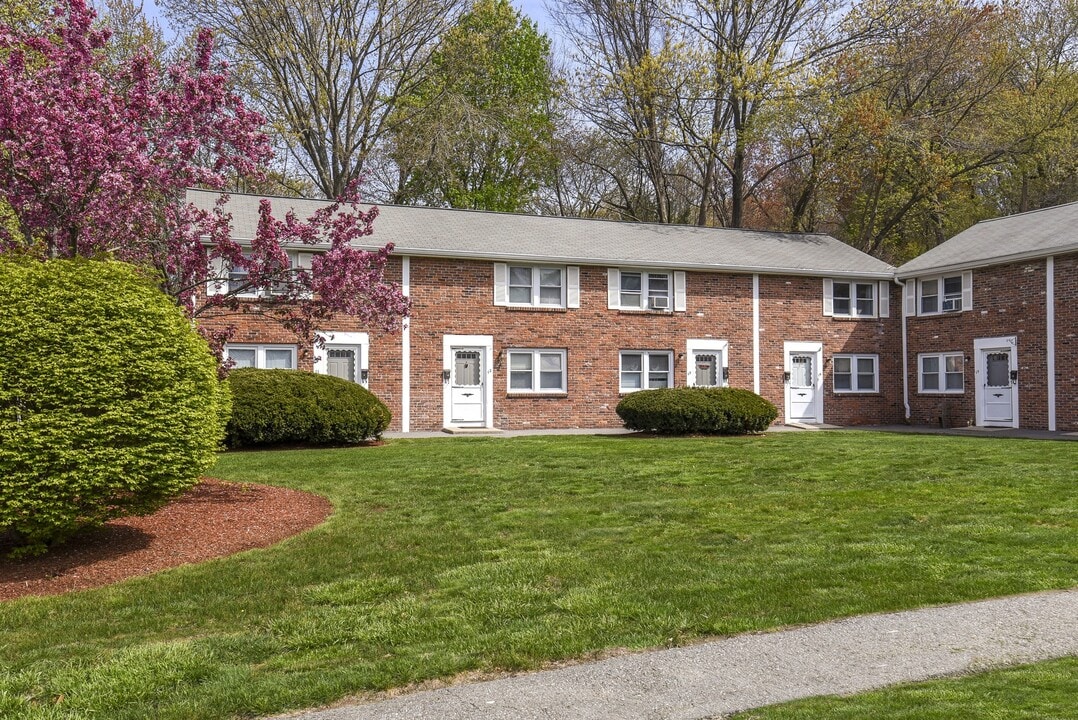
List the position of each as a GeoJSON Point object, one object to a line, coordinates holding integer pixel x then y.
{"type": "Point", "coordinates": [343, 361]}
{"type": "Point", "coordinates": [803, 392]}
{"type": "Point", "coordinates": [468, 387]}
{"type": "Point", "coordinates": [997, 378]}
{"type": "Point", "coordinates": [707, 370]}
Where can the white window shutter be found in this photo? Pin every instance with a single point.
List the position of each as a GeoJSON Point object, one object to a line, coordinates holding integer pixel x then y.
{"type": "Point", "coordinates": [967, 290]}
{"type": "Point", "coordinates": [885, 299]}
{"type": "Point", "coordinates": [911, 297]}
{"type": "Point", "coordinates": [217, 283]}
{"type": "Point", "coordinates": [679, 290]}
{"type": "Point", "coordinates": [613, 288]}
{"type": "Point", "coordinates": [501, 284]}
{"type": "Point", "coordinates": [572, 286]}
{"type": "Point", "coordinates": [828, 297]}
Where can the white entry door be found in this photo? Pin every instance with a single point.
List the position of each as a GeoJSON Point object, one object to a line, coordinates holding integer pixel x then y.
{"type": "Point", "coordinates": [804, 386]}
{"type": "Point", "coordinates": [468, 387]}
{"type": "Point", "coordinates": [343, 361]}
{"type": "Point", "coordinates": [998, 387]}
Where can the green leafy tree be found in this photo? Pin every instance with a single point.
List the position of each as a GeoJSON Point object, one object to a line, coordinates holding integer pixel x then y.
{"type": "Point", "coordinates": [481, 126]}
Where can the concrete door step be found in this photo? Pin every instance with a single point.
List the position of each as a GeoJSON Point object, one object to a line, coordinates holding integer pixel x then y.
{"type": "Point", "coordinates": [472, 431]}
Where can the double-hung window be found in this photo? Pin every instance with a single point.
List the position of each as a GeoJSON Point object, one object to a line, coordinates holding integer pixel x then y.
{"type": "Point", "coordinates": [941, 373]}
{"type": "Point", "coordinates": [537, 286]}
{"type": "Point", "coordinates": [942, 294]}
{"type": "Point", "coordinates": [856, 373]}
{"type": "Point", "coordinates": [537, 371]}
{"type": "Point", "coordinates": [646, 369]}
{"type": "Point", "coordinates": [269, 357]}
{"type": "Point", "coordinates": [645, 290]}
{"type": "Point", "coordinates": [856, 299]}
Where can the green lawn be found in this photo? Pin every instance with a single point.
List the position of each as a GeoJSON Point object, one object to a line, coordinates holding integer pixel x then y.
{"type": "Point", "coordinates": [1044, 691]}
{"type": "Point", "coordinates": [451, 555]}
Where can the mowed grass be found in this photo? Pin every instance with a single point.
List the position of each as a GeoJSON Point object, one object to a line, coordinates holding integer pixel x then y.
{"type": "Point", "coordinates": [452, 555]}
{"type": "Point", "coordinates": [1043, 691]}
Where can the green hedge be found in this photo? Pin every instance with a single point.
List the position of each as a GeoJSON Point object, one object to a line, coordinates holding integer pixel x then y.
{"type": "Point", "coordinates": [709, 411]}
{"type": "Point", "coordinates": [110, 403]}
{"type": "Point", "coordinates": [274, 407]}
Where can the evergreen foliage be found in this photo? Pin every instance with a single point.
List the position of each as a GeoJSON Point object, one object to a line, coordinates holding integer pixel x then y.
{"type": "Point", "coordinates": [709, 411]}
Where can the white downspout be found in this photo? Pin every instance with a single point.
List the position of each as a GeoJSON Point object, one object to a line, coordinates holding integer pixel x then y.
{"type": "Point", "coordinates": [406, 350]}
{"type": "Point", "coordinates": [1050, 293]}
{"type": "Point", "coordinates": [756, 333]}
{"type": "Point", "coordinates": [905, 355]}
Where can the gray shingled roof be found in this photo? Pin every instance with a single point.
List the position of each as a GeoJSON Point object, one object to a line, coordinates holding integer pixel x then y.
{"type": "Point", "coordinates": [1007, 239]}
{"type": "Point", "coordinates": [502, 236]}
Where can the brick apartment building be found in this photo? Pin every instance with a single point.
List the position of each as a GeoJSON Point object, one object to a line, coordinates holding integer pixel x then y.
{"type": "Point", "coordinates": [537, 322]}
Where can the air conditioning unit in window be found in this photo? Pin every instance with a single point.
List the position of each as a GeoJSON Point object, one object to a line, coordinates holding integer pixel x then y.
{"type": "Point", "coordinates": [952, 304]}
{"type": "Point", "coordinates": [660, 302]}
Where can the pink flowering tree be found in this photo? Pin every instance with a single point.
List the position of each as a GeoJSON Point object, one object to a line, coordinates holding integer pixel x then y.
{"type": "Point", "coordinates": [95, 159]}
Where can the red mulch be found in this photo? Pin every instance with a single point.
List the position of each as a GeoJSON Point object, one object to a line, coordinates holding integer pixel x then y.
{"type": "Point", "coordinates": [213, 519]}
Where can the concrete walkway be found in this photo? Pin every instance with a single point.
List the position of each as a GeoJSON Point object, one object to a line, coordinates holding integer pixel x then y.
{"type": "Point", "coordinates": [713, 679]}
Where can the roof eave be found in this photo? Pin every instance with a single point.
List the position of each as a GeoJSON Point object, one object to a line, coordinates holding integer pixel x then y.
{"type": "Point", "coordinates": [998, 260]}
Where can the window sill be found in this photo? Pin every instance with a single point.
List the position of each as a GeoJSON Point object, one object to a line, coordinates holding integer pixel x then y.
{"type": "Point", "coordinates": [849, 318]}
{"type": "Point", "coordinates": [841, 393]}
{"type": "Point", "coordinates": [529, 395]}
{"type": "Point", "coordinates": [536, 308]}
{"type": "Point", "coordinates": [630, 311]}
{"type": "Point", "coordinates": [939, 314]}
{"type": "Point", "coordinates": [931, 393]}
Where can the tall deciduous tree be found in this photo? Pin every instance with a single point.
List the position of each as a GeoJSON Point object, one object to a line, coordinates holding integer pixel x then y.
{"type": "Point", "coordinates": [96, 153]}
{"type": "Point", "coordinates": [328, 74]}
{"type": "Point", "coordinates": [482, 126]}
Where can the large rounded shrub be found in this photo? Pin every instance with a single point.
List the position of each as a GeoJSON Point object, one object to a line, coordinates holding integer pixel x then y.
{"type": "Point", "coordinates": [110, 403]}
{"type": "Point", "coordinates": [709, 411]}
{"type": "Point", "coordinates": [274, 407]}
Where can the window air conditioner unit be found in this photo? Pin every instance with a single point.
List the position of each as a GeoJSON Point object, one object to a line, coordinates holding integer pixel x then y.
{"type": "Point", "coordinates": [952, 304]}
{"type": "Point", "coordinates": [660, 303]}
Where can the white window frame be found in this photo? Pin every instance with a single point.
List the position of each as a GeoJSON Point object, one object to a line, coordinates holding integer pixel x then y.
{"type": "Point", "coordinates": [709, 346]}
{"type": "Point", "coordinates": [646, 277]}
{"type": "Point", "coordinates": [645, 369]}
{"type": "Point", "coordinates": [536, 274]}
{"type": "Point", "coordinates": [260, 352]}
{"type": "Point", "coordinates": [881, 298]}
{"type": "Point", "coordinates": [964, 298]}
{"type": "Point", "coordinates": [536, 354]}
{"type": "Point", "coordinates": [941, 373]}
{"type": "Point", "coordinates": [854, 358]}
{"type": "Point", "coordinates": [221, 283]}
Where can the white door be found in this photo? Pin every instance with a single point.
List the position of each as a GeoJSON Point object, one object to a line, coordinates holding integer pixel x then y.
{"type": "Point", "coordinates": [468, 387]}
{"type": "Point", "coordinates": [803, 388]}
{"type": "Point", "coordinates": [707, 368]}
{"type": "Point", "coordinates": [998, 387]}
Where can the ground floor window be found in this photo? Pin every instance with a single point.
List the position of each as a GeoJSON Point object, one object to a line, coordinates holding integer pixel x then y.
{"type": "Point", "coordinates": [537, 371]}
{"type": "Point", "coordinates": [856, 373]}
{"type": "Point", "coordinates": [646, 369]}
{"type": "Point", "coordinates": [941, 373]}
{"type": "Point", "coordinates": [269, 357]}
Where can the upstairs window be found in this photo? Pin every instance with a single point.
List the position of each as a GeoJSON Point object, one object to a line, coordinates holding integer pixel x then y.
{"type": "Point", "coordinates": [940, 294]}
{"type": "Point", "coordinates": [856, 298]}
{"type": "Point", "coordinates": [646, 290]}
{"type": "Point", "coordinates": [533, 285]}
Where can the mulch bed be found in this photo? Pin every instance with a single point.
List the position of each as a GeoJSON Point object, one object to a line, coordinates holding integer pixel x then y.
{"type": "Point", "coordinates": [213, 519]}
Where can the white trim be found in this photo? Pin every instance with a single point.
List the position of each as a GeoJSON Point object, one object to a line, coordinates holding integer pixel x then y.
{"type": "Point", "coordinates": [883, 299]}
{"type": "Point", "coordinates": [406, 349]}
{"type": "Point", "coordinates": [501, 284]}
{"type": "Point", "coordinates": [789, 347]}
{"type": "Point", "coordinates": [486, 344]}
{"type": "Point", "coordinates": [905, 348]}
{"type": "Point", "coordinates": [536, 370]}
{"type": "Point", "coordinates": [853, 358]}
{"type": "Point", "coordinates": [572, 286]}
{"type": "Point", "coordinates": [645, 369]}
{"type": "Point", "coordinates": [720, 347]}
{"type": "Point", "coordinates": [680, 300]}
{"type": "Point", "coordinates": [941, 373]}
{"type": "Point", "coordinates": [645, 290]}
{"type": "Point", "coordinates": [354, 339]}
{"type": "Point", "coordinates": [536, 272]}
{"type": "Point", "coordinates": [1050, 340]}
{"type": "Point", "coordinates": [989, 262]}
{"type": "Point", "coordinates": [260, 352]}
{"type": "Point", "coordinates": [1006, 342]}
{"type": "Point", "coordinates": [965, 296]}
{"type": "Point", "coordinates": [756, 334]}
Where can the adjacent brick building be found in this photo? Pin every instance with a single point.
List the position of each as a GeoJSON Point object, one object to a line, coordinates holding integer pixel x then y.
{"type": "Point", "coordinates": [533, 322]}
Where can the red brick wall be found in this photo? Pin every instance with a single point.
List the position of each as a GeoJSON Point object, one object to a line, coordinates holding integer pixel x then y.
{"type": "Point", "coordinates": [1007, 300]}
{"type": "Point", "coordinates": [1066, 305]}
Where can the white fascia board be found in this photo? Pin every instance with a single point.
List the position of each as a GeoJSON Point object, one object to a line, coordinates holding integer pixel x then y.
{"type": "Point", "coordinates": [977, 264]}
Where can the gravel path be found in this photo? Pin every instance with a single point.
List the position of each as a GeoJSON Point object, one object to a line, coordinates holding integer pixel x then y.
{"type": "Point", "coordinates": [714, 679]}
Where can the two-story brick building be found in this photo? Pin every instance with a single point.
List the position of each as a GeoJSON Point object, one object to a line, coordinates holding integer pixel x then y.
{"type": "Point", "coordinates": [537, 322]}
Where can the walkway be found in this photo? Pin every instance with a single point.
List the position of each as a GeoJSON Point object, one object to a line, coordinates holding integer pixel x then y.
{"type": "Point", "coordinates": [716, 678]}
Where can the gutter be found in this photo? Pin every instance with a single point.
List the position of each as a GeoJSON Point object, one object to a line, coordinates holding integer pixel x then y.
{"type": "Point", "coordinates": [905, 354]}
{"type": "Point", "coordinates": [985, 262]}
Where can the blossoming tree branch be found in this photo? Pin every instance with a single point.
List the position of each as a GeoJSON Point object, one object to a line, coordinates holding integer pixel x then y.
{"type": "Point", "coordinates": [95, 157]}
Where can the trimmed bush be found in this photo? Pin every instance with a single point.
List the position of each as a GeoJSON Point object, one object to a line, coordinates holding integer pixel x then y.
{"type": "Point", "coordinates": [110, 403]}
{"type": "Point", "coordinates": [708, 411]}
{"type": "Point", "coordinates": [274, 407]}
